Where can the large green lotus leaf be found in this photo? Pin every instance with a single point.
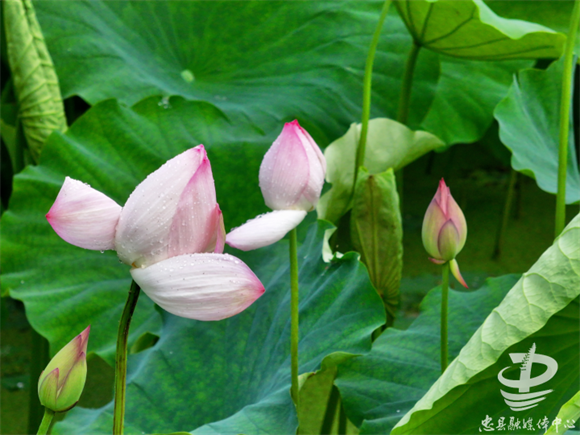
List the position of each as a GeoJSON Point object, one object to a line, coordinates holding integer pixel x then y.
{"type": "Point", "coordinates": [261, 62]}
{"type": "Point", "coordinates": [459, 114]}
{"type": "Point", "coordinates": [470, 29]}
{"type": "Point", "coordinates": [539, 315]}
{"type": "Point", "coordinates": [553, 14]}
{"type": "Point", "coordinates": [390, 144]}
{"type": "Point", "coordinates": [113, 148]}
{"type": "Point", "coordinates": [233, 376]}
{"type": "Point", "coordinates": [529, 126]}
{"type": "Point", "coordinates": [380, 387]}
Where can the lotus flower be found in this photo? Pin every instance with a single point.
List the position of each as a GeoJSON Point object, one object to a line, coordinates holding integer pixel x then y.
{"type": "Point", "coordinates": [291, 178]}
{"type": "Point", "coordinates": [165, 231]}
{"type": "Point", "coordinates": [444, 230]}
{"type": "Point", "coordinates": [61, 383]}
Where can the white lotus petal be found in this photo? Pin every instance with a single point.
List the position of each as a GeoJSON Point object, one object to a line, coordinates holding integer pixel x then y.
{"type": "Point", "coordinates": [265, 229]}
{"type": "Point", "coordinates": [84, 217]}
{"type": "Point", "coordinates": [177, 200]}
{"type": "Point", "coordinates": [200, 286]}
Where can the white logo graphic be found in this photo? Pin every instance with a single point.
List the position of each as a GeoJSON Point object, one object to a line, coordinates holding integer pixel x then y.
{"type": "Point", "coordinates": [524, 399]}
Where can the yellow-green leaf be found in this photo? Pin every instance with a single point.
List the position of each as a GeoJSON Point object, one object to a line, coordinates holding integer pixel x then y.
{"type": "Point", "coordinates": [40, 106]}
{"type": "Point", "coordinates": [377, 233]}
{"type": "Point", "coordinates": [470, 29]}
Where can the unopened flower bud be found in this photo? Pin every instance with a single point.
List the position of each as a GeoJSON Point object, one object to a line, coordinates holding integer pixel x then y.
{"type": "Point", "coordinates": [61, 383]}
{"type": "Point", "coordinates": [444, 230]}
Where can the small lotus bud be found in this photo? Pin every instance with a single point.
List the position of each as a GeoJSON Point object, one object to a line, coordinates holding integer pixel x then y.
{"type": "Point", "coordinates": [292, 171]}
{"type": "Point", "coordinates": [61, 383]}
{"type": "Point", "coordinates": [444, 230]}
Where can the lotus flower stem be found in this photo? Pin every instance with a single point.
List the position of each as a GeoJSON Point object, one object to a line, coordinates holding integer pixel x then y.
{"type": "Point", "coordinates": [294, 330]}
{"type": "Point", "coordinates": [506, 214]}
{"type": "Point", "coordinates": [565, 103]}
{"type": "Point", "coordinates": [367, 85]}
{"type": "Point", "coordinates": [121, 359]}
{"type": "Point", "coordinates": [404, 104]}
{"type": "Point", "coordinates": [38, 361]}
{"type": "Point", "coordinates": [444, 298]}
{"type": "Point", "coordinates": [44, 427]}
{"type": "Point", "coordinates": [407, 85]}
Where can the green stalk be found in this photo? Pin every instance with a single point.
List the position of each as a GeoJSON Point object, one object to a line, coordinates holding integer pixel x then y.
{"type": "Point", "coordinates": [44, 427]}
{"type": "Point", "coordinates": [405, 98]}
{"type": "Point", "coordinates": [367, 85]}
{"type": "Point", "coordinates": [506, 214]}
{"type": "Point", "coordinates": [565, 103]}
{"type": "Point", "coordinates": [121, 359]}
{"type": "Point", "coordinates": [294, 315]}
{"type": "Point", "coordinates": [405, 103]}
{"type": "Point", "coordinates": [39, 360]}
{"type": "Point", "coordinates": [444, 298]}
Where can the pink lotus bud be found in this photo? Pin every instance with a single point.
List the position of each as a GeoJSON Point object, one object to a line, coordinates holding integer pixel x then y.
{"type": "Point", "coordinates": [291, 178]}
{"type": "Point", "coordinates": [292, 172]}
{"type": "Point", "coordinates": [444, 229]}
{"type": "Point", "coordinates": [61, 383]}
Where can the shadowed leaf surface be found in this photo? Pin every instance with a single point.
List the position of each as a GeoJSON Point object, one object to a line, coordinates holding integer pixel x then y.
{"type": "Point", "coordinates": [529, 126]}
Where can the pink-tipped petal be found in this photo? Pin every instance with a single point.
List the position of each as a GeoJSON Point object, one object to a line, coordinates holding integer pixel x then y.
{"type": "Point", "coordinates": [455, 213]}
{"type": "Point", "coordinates": [146, 229]}
{"type": "Point", "coordinates": [196, 219]}
{"type": "Point", "coordinates": [200, 286]}
{"type": "Point", "coordinates": [292, 172]}
{"type": "Point", "coordinates": [265, 229]}
{"type": "Point", "coordinates": [432, 223]}
{"type": "Point", "coordinates": [84, 339]}
{"type": "Point", "coordinates": [317, 167]}
{"type": "Point", "coordinates": [439, 262]}
{"type": "Point", "coordinates": [84, 217]}
{"type": "Point", "coordinates": [456, 273]}
{"type": "Point", "coordinates": [284, 171]}
{"type": "Point", "coordinates": [442, 195]}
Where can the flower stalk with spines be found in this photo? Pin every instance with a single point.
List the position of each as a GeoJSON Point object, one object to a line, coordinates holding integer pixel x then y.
{"type": "Point", "coordinates": [444, 234]}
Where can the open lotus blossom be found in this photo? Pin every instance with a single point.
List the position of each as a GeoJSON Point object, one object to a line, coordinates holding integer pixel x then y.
{"type": "Point", "coordinates": [171, 231]}
{"type": "Point", "coordinates": [291, 178]}
{"type": "Point", "coordinates": [62, 381]}
{"type": "Point", "coordinates": [444, 230]}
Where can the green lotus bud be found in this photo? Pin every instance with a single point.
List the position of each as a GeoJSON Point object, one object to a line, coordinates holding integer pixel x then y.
{"type": "Point", "coordinates": [61, 383]}
{"type": "Point", "coordinates": [444, 230]}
